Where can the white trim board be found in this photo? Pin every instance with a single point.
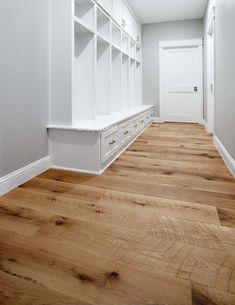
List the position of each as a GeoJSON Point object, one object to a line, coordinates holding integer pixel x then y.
{"type": "Point", "coordinates": [22, 175]}
{"type": "Point", "coordinates": [229, 161]}
{"type": "Point", "coordinates": [205, 124]}
{"type": "Point", "coordinates": [157, 120]}
{"type": "Point", "coordinates": [180, 43]}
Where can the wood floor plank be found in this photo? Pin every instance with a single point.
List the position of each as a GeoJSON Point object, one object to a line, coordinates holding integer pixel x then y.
{"type": "Point", "coordinates": [87, 277]}
{"type": "Point", "coordinates": [117, 206]}
{"type": "Point", "coordinates": [19, 290]}
{"type": "Point", "coordinates": [158, 227]}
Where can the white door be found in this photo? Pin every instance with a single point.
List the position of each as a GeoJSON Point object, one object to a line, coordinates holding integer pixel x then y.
{"type": "Point", "coordinates": [181, 81]}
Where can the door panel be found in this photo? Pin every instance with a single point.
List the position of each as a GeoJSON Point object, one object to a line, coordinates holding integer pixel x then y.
{"type": "Point", "coordinates": [181, 86]}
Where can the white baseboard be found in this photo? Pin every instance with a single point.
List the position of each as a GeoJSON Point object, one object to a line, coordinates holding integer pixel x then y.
{"type": "Point", "coordinates": [76, 170]}
{"type": "Point", "coordinates": [204, 123]}
{"type": "Point", "coordinates": [207, 127]}
{"type": "Point", "coordinates": [157, 120]}
{"type": "Point", "coordinates": [22, 175]}
{"type": "Point", "coordinates": [229, 161]}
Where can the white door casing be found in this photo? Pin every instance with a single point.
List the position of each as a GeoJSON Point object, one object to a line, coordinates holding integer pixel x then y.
{"type": "Point", "coordinates": [181, 85]}
{"type": "Point", "coordinates": [210, 77]}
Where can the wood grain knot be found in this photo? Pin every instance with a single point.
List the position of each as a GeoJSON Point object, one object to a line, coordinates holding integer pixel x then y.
{"type": "Point", "coordinates": [85, 278]}
{"type": "Point", "coordinates": [12, 260]}
{"type": "Point", "coordinates": [99, 212]}
{"type": "Point", "coordinates": [112, 275]}
{"type": "Point", "coordinates": [60, 222]}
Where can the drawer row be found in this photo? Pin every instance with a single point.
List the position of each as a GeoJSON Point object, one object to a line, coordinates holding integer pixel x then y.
{"type": "Point", "coordinates": [117, 137]}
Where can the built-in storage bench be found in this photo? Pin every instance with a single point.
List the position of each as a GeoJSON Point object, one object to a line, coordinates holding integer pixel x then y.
{"type": "Point", "coordinates": [93, 145]}
{"type": "Point", "coordinates": [96, 106]}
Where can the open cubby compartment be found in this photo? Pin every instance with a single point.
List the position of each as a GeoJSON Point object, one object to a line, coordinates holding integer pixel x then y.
{"type": "Point", "coordinates": [125, 44]}
{"type": "Point", "coordinates": [116, 82]}
{"type": "Point", "coordinates": [103, 24]}
{"type": "Point", "coordinates": [103, 77]}
{"type": "Point", "coordinates": [138, 54]}
{"type": "Point", "coordinates": [138, 100]}
{"type": "Point", "coordinates": [125, 82]}
{"type": "Point", "coordinates": [84, 11]}
{"type": "Point", "coordinates": [116, 36]}
{"type": "Point", "coordinates": [83, 74]}
{"type": "Point", "coordinates": [132, 49]}
{"type": "Point", "coordinates": [132, 83]}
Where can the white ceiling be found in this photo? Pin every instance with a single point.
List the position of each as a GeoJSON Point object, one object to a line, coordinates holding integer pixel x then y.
{"type": "Point", "coordinates": [151, 11]}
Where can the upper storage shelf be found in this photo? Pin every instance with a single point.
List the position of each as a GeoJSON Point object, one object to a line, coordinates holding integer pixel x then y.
{"type": "Point", "coordinates": [103, 24]}
{"type": "Point", "coordinates": [98, 69]}
{"type": "Point", "coordinates": [84, 10]}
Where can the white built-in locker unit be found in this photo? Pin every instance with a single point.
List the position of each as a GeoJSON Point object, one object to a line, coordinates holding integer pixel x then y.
{"type": "Point", "coordinates": [96, 106]}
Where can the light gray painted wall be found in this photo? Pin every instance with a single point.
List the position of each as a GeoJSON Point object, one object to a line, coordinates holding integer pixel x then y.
{"type": "Point", "coordinates": [225, 74]}
{"type": "Point", "coordinates": [23, 82]}
{"type": "Point", "coordinates": [152, 34]}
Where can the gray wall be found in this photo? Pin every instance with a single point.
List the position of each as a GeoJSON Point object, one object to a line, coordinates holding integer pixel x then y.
{"type": "Point", "coordinates": [225, 74]}
{"type": "Point", "coordinates": [23, 82]}
{"type": "Point", "coordinates": [152, 34]}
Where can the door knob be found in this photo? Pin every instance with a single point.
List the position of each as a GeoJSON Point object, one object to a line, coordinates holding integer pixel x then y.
{"type": "Point", "coordinates": [195, 89]}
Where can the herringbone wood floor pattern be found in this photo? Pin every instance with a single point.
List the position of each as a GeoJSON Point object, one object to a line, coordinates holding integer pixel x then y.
{"type": "Point", "coordinates": [157, 228]}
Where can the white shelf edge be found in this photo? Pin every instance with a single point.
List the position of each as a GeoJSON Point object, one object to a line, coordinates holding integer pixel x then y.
{"type": "Point", "coordinates": [80, 22]}
{"type": "Point", "coordinates": [136, 111]}
{"type": "Point", "coordinates": [101, 36]}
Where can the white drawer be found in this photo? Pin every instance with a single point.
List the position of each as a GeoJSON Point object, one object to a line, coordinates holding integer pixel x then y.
{"type": "Point", "coordinates": [109, 143]}
{"type": "Point", "coordinates": [135, 126]}
{"type": "Point", "coordinates": [125, 132]}
{"type": "Point", "coordinates": [148, 117]}
{"type": "Point", "coordinates": [141, 121]}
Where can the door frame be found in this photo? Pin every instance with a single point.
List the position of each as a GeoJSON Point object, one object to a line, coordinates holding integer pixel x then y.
{"type": "Point", "coordinates": [210, 65]}
{"type": "Point", "coordinates": [178, 43]}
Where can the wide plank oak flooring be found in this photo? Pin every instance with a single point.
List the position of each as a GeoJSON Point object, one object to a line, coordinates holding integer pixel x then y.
{"type": "Point", "coordinates": [157, 228]}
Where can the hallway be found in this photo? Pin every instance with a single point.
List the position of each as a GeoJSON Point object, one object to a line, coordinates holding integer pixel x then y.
{"type": "Point", "coordinates": [158, 227]}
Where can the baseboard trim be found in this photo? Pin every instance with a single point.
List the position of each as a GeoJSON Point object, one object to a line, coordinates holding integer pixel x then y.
{"type": "Point", "coordinates": [229, 161]}
{"type": "Point", "coordinates": [158, 120]}
{"type": "Point", "coordinates": [206, 126]}
{"type": "Point", "coordinates": [77, 170]}
{"type": "Point", "coordinates": [22, 175]}
{"type": "Point", "coordinates": [204, 123]}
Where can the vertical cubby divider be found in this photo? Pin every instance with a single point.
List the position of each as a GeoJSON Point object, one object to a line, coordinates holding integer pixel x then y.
{"type": "Point", "coordinates": [83, 74]}
{"type": "Point", "coordinates": [125, 82]}
{"type": "Point", "coordinates": [103, 77]}
{"type": "Point", "coordinates": [116, 81]}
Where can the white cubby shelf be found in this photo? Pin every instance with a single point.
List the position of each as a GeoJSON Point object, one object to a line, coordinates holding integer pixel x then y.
{"type": "Point", "coordinates": [84, 11]}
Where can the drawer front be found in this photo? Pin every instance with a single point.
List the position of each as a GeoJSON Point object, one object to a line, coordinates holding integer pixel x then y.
{"type": "Point", "coordinates": [135, 126]}
{"type": "Point", "coordinates": [125, 132]}
{"type": "Point", "coordinates": [148, 117]}
{"type": "Point", "coordinates": [109, 143]}
{"type": "Point", "coordinates": [141, 122]}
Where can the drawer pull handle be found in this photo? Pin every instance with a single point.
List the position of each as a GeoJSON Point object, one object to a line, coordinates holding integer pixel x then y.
{"type": "Point", "coordinates": [113, 142]}
{"type": "Point", "coordinates": [126, 132]}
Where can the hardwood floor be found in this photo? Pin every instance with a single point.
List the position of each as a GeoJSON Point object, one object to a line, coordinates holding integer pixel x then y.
{"type": "Point", "coordinates": [157, 228]}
